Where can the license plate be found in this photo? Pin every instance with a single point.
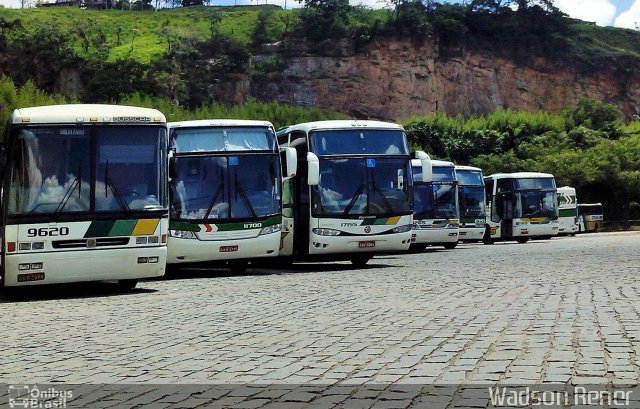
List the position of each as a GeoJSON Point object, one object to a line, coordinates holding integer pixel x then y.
{"type": "Point", "coordinates": [366, 244]}
{"type": "Point", "coordinates": [23, 278]}
{"type": "Point", "coordinates": [228, 249]}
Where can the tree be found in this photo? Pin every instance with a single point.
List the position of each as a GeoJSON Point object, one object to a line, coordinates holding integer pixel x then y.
{"type": "Point", "coordinates": [491, 6]}
{"type": "Point", "coordinates": [324, 19]}
{"type": "Point", "coordinates": [190, 3]}
{"type": "Point", "coordinates": [526, 5]}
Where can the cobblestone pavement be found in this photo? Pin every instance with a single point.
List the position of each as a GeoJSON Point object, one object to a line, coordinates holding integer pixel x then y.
{"type": "Point", "coordinates": [563, 311]}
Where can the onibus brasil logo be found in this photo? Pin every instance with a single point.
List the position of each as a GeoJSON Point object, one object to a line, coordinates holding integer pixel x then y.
{"type": "Point", "coordinates": [30, 396]}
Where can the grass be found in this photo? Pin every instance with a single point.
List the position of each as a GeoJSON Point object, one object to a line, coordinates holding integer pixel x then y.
{"type": "Point", "coordinates": [588, 42]}
{"type": "Point", "coordinates": [141, 28]}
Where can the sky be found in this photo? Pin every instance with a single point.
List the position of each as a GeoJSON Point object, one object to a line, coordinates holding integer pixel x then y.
{"type": "Point", "coordinates": [618, 13]}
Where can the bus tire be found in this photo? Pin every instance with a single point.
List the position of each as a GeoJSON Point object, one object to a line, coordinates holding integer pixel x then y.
{"type": "Point", "coordinates": [238, 266]}
{"type": "Point", "coordinates": [450, 246]}
{"type": "Point", "coordinates": [360, 260]}
{"type": "Point", "coordinates": [127, 284]}
{"type": "Point", "coordinates": [522, 240]}
{"type": "Point", "coordinates": [417, 248]}
{"type": "Point", "coordinates": [486, 239]}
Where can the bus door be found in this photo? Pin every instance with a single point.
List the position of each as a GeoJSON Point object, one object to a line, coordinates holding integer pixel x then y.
{"type": "Point", "coordinates": [505, 206]}
{"type": "Point", "coordinates": [302, 206]}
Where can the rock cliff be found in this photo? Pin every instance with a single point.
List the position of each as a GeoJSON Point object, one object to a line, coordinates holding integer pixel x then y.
{"type": "Point", "coordinates": [393, 79]}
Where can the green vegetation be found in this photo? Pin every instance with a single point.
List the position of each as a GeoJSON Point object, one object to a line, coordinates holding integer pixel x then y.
{"type": "Point", "coordinates": [178, 53]}
{"type": "Point", "coordinates": [587, 147]}
{"type": "Point", "coordinates": [174, 60]}
{"type": "Point", "coordinates": [12, 97]}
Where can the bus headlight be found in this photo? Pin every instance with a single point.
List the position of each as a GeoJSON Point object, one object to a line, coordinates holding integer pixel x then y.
{"type": "Point", "coordinates": [270, 229]}
{"type": "Point", "coordinates": [402, 229]}
{"type": "Point", "coordinates": [182, 234]}
{"type": "Point", "coordinates": [326, 232]}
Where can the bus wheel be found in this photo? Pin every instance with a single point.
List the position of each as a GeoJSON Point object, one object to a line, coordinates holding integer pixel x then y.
{"type": "Point", "coordinates": [238, 266]}
{"type": "Point", "coordinates": [127, 284]}
{"type": "Point", "coordinates": [417, 248]}
{"type": "Point", "coordinates": [450, 246]}
{"type": "Point", "coordinates": [360, 260]}
{"type": "Point", "coordinates": [486, 239]}
{"type": "Point", "coordinates": [522, 240]}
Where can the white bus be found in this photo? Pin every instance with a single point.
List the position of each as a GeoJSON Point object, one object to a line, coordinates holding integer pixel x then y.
{"type": "Point", "coordinates": [590, 217]}
{"type": "Point", "coordinates": [436, 213]}
{"type": "Point", "coordinates": [84, 195]}
{"type": "Point", "coordinates": [471, 196]}
{"type": "Point", "coordinates": [567, 211]}
{"type": "Point", "coordinates": [352, 198]}
{"type": "Point", "coordinates": [522, 205]}
{"type": "Point", "coordinates": [225, 192]}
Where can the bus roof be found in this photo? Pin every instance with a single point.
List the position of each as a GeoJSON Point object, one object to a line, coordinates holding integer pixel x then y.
{"type": "Point", "coordinates": [341, 124]}
{"type": "Point", "coordinates": [567, 189]}
{"type": "Point", "coordinates": [519, 175]}
{"type": "Point", "coordinates": [198, 123]}
{"type": "Point", "coordinates": [86, 113]}
{"type": "Point", "coordinates": [434, 162]}
{"type": "Point", "coordinates": [470, 168]}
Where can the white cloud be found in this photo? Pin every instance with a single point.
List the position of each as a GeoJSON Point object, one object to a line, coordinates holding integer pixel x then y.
{"type": "Point", "coordinates": [629, 18]}
{"type": "Point", "coordinates": [600, 11]}
{"type": "Point", "coordinates": [15, 4]}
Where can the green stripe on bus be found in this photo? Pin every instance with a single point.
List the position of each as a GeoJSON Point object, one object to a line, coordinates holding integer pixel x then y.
{"type": "Point", "coordinates": [568, 213]}
{"type": "Point", "coordinates": [196, 227]}
{"type": "Point", "coordinates": [471, 220]}
{"type": "Point", "coordinates": [122, 227]}
{"type": "Point", "coordinates": [99, 228]}
{"type": "Point", "coordinates": [270, 221]}
{"type": "Point", "coordinates": [186, 226]}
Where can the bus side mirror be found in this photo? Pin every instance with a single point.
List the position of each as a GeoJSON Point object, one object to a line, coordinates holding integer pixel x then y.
{"type": "Point", "coordinates": [425, 161]}
{"type": "Point", "coordinates": [289, 158]}
{"type": "Point", "coordinates": [313, 163]}
{"type": "Point", "coordinates": [172, 164]}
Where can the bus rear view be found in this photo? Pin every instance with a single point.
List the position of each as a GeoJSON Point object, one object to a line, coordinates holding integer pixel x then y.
{"type": "Point", "coordinates": [84, 195]}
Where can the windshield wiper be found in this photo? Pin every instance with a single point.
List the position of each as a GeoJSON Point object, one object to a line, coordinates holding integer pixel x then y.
{"type": "Point", "coordinates": [108, 183]}
{"type": "Point", "coordinates": [214, 200]}
{"type": "Point", "coordinates": [244, 197]}
{"type": "Point", "coordinates": [67, 195]}
{"type": "Point", "coordinates": [354, 199]}
{"type": "Point", "coordinates": [375, 188]}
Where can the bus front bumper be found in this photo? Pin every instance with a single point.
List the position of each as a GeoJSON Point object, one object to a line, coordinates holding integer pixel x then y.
{"type": "Point", "coordinates": [471, 233]}
{"type": "Point", "coordinates": [182, 251]}
{"type": "Point", "coordinates": [435, 235]}
{"type": "Point", "coordinates": [534, 230]}
{"type": "Point", "coordinates": [85, 265]}
{"type": "Point", "coordinates": [359, 244]}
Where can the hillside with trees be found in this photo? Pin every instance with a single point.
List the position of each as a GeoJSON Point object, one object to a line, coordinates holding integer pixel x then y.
{"type": "Point", "coordinates": [505, 85]}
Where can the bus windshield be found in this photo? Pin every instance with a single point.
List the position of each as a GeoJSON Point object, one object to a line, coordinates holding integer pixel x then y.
{"type": "Point", "coordinates": [469, 177]}
{"type": "Point", "coordinates": [471, 201]}
{"type": "Point", "coordinates": [440, 174]}
{"type": "Point", "coordinates": [514, 184]}
{"type": "Point", "coordinates": [226, 187]}
{"type": "Point", "coordinates": [435, 201]}
{"type": "Point", "coordinates": [359, 142]}
{"type": "Point", "coordinates": [537, 203]}
{"type": "Point", "coordinates": [62, 169]}
{"type": "Point", "coordinates": [362, 186]}
{"type": "Point", "coordinates": [214, 139]}
{"type": "Point", "coordinates": [590, 209]}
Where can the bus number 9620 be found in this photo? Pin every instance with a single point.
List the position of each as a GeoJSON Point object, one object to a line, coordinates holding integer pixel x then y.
{"type": "Point", "coordinates": [48, 231]}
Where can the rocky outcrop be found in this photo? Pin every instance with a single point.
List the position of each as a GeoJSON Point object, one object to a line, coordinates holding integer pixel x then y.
{"type": "Point", "coordinates": [396, 79]}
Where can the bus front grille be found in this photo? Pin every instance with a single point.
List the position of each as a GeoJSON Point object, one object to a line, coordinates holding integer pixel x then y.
{"type": "Point", "coordinates": [90, 243]}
